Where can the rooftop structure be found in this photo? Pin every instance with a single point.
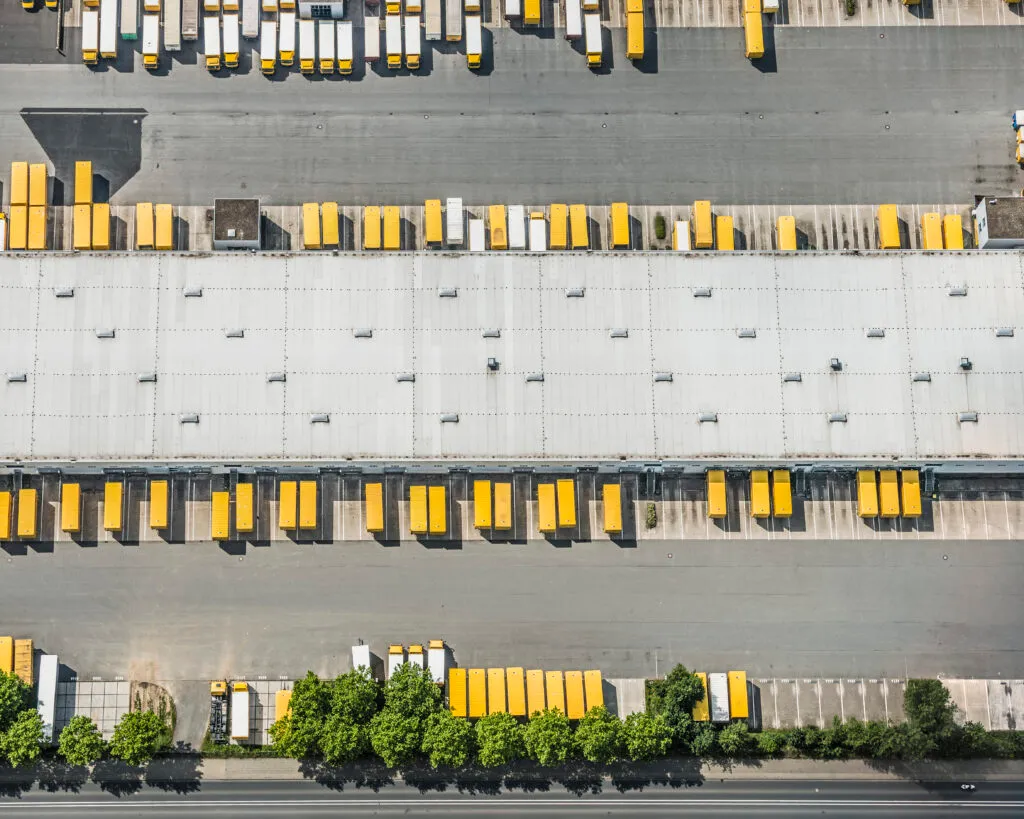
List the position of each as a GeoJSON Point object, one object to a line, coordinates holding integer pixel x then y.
{"type": "Point", "coordinates": [1000, 222]}
{"type": "Point", "coordinates": [165, 357]}
{"type": "Point", "coordinates": [236, 224]}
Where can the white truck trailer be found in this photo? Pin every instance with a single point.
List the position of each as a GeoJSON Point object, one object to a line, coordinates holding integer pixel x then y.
{"type": "Point", "coordinates": [240, 711]}
{"type": "Point", "coordinates": [573, 20]}
{"type": "Point", "coordinates": [413, 35]}
{"type": "Point", "coordinates": [129, 19]}
{"type": "Point", "coordinates": [231, 42]}
{"type": "Point", "coordinates": [453, 20]}
{"type": "Point", "coordinates": [432, 20]}
{"type": "Point", "coordinates": [211, 42]}
{"type": "Point", "coordinates": [151, 41]}
{"type": "Point", "coordinates": [327, 38]}
{"type": "Point", "coordinates": [474, 41]}
{"type": "Point", "coordinates": [108, 29]}
{"type": "Point", "coordinates": [250, 19]}
{"type": "Point", "coordinates": [454, 221]}
{"type": "Point", "coordinates": [90, 36]}
{"type": "Point", "coordinates": [396, 658]}
{"type": "Point", "coordinates": [307, 46]}
{"type": "Point", "coordinates": [718, 696]}
{"type": "Point", "coordinates": [189, 20]}
{"type": "Point", "coordinates": [477, 236]}
{"type": "Point", "coordinates": [437, 661]}
{"type": "Point", "coordinates": [47, 695]}
{"type": "Point", "coordinates": [592, 38]}
{"type": "Point", "coordinates": [516, 227]}
{"type": "Point", "coordinates": [172, 25]}
{"type": "Point", "coordinates": [361, 658]}
{"type": "Point", "coordinates": [538, 232]}
{"type": "Point", "coordinates": [345, 49]}
{"type": "Point", "coordinates": [286, 37]}
{"type": "Point", "coordinates": [268, 46]}
{"type": "Point", "coordinates": [371, 39]}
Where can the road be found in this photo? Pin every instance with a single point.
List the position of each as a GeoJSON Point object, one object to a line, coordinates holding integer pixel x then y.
{"type": "Point", "coordinates": [779, 609]}
{"type": "Point", "coordinates": [840, 800]}
{"type": "Point", "coordinates": [859, 115]}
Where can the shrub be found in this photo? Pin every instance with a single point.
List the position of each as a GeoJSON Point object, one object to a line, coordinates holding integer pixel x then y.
{"type": "Point", "coordinates": [851, 8]}
{"type": "Point", "coordinates": [652, 515]}
{"type": "Point", "coordinates": [659, 227]}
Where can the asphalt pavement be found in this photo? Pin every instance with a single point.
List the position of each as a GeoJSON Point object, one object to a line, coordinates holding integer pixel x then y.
{"type": "Point", "coordinates": [859, 115]}
{"type": "Point", "coordinates": [776, 609]}
{"type": "Point", "coordinates": [584, 796]}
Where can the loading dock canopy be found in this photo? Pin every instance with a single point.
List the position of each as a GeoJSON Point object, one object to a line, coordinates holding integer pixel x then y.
{"type": "Point", "coordinates": [598, 398]}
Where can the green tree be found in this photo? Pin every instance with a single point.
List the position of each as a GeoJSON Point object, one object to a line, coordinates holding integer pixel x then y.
{"type": "Point", "coordinates": [735, 740]}
{"type": "Point", "coordinates": [395, 738]}
{"type": "Point", "coordinates": [342, 741]}
{"type": "Point", "coordinates": [354, 697]}
{"type": "Point", "coordinates": [499, 739]}
{"type": "Point", "coordinates": [703, 741]}
{"type": "Point", "coordinates": [646, 737]}
{"type": "Point", "coordinates": [81, 742]}
{"type": "Point", "coordinates": [15, 697]}
{"type": "Point", "coordinates": [597, 735]}
{"type": "Point", "coordinates": [298, 733]}
{"type": "Point", "coordinates": [411, 692]}
{"type": "Point", "coordinates": [23, 740]}
{"type": "Point", "coordinates": [770, 743]}
{"type": "Point", "coordinates": [548, 737]}
{"type": "Point", "coordinates": [682, 691]}
{"type": "Point", "coordinates": [929, 707]}
{"type": "Point", "coordinates": [447, 741]}
{"type": "Point", "coordinates": [139, 736]}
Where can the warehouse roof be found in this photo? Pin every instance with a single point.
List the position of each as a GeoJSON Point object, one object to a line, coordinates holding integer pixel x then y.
{"type": "Point", "coordinates": [301, 356]}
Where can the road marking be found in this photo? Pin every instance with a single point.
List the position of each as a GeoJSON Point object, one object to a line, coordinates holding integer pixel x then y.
{"type": "Point", "coordinates": [519, 800]}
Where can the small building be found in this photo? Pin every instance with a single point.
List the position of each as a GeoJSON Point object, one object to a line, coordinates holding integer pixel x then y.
{"type": "Point", "coordinates": [999, 222]}
{"type": "Point", "coordinates": [237, 224]}
{"type": "Point", "coordinates": [322, 10]}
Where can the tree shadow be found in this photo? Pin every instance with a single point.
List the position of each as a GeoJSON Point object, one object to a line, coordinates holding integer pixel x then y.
{"type": "Point", "coordinates": [55, 775]}
{"type": "Point", "coordinates": [117, 778]}
{"type": "Point", "coordinates": [180, 773]}
{"type": "Point", "coordinates": [370, 773]}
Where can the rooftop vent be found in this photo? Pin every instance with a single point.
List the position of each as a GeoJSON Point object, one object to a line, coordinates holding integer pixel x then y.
{"type": "Point", "coordinates": [708, 417]}
{"type": "Point", "coordinates": [320, 418]}
{"type": "Point", "coordinates": [837, 418]}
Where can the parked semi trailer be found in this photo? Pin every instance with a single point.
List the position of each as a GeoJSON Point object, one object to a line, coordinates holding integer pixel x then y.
{"type": "Point", "coordinates": [432, 20]}
{"type": "Point", "coordinates": [718, 693]}
{"type": "Point", "coordinates": [240, 711]}
{"type": "Point", "coordinates": [46, 695]}
{"type": "Point", "coordinates": [172, 25]}
{"type": "Point", "coordinates": [189, 19]}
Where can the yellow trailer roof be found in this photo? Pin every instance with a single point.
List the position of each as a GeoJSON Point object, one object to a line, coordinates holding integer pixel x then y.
{"type": "Point", "coordinates": [282, 703]}
{"type": "Point", "coordinates": [37, 228]}
{"type": "Point", "coordinates": [158, 504]}
{"type": "Point", "coordinates": [635, 35]}
{"type": "Point", "coordinates": [514, 680]}
{"type": "Point", "coordinates": [594, 689]}
{"type": "Point", "coordinates": [113, 501]}
{"type": "Point", "coordinates": [534, 691]}
{"type": "Point", "coordinates": [83, 183]}
{"type": "Point", "coordinates": [82, 227]}
{"type": "Point", "coordinates": [374, 507]}
{"type": "Point", "coordinates": [101, 226]}
{"type": "Point", "coordinates": [245, 520]}
{"type": "Point", "coordinates": [482, 518]}
{"type": "Point", "coordinates": [477, 692]}
{"type": "Point", "coordinates": [5, 515]}
{"type": "Point", "coordinates": [716, 493]}
{"type": "Point", "coordinates": [164, 217]}
{"type": "Point", "coordinates": [144, 225]}
{"type": "Point", "coordinates": [502, 505]}
{"type": "Point", "coordinates": [220, 515]}
{"type": "Point", "coordinates": [555, 691]}
{"type": "Point", "coordinates": [738, 701]}
{"type": "Point", "coordinates": [70, 507]}
{"type": "Point", "coordinates": [19, 183]}
{"type": "Point", "coordinates": [392, 228]}
{"type": "Point", "coordinates": [566, 503]}
{"type": "Point", "coordinates": [457, 691]}
{"type": "Point", "coordinates": [701, 711]}
{"type": "Point", "coordinates": [498, 226]}
{"type": "Point", "coordinates": [760, 502]}
{"type": "Point", "coordinates": [371, 227]}
{"type": "Point", "coordinates": [17, 229]}
{"type": "Point", "coordinates": [287, 494]}
{"type": "Point", "coordinates": [37, 189]}
{"type": "Point", "coordinates": [620, 224]}
{"type": "Point", "coordinates": [330, 235]}
{"type": "Point", "coordinates": [432, 230]}
{"type": "Point", "coordinates": [888, 227]}
{"type": "Point", "coordinates": [725, 233]}
{"type": "Point", "coordinates": [27, 513]}
{"type": "Point", "coordinates": [578, 227]}
{"type": "Point", "coordinates": [495, 690]}
{"type": "Point", "coordinates": [910, 484]}
{"type": "Point", "coordinates": [311, 226]}
{"type": "Point", "coordinates": [611, 497]}
{"type": "Point", "coordinates": [931, 231]}
{"type": "Point", "coordinates": [307, 505]}
{"type": "Point", "coordinates": [785, 233]}
{"type": "Point", "coordinates": [953, 231]}
{"type": "Point", "coordinates": [703, 232]}
{"type": "Point", "coordinates": [867, 494]}
{"type": "Point", "coordinates": [438, 510]}
{"type": "Point", "coordinates": [574, 708]}
{"type": "Point", "coordinates": [782, 495]}
{"type": "Point", "coordinates": [888, 494]}
{"type": "Point", "coordinates": [7, 655]}
{"type": "Point", "coordinates": [546, 507]}
{"type": "Point", "coordinates": [418, 510]}
{"type": "Point", "coordinates": [557, 217]}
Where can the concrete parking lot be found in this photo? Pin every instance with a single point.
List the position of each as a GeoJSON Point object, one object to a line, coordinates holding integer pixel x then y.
{"type": "Point", "coordinates": [833, 117]}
